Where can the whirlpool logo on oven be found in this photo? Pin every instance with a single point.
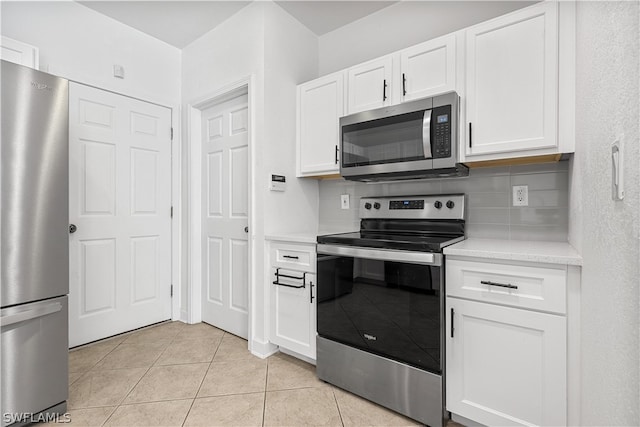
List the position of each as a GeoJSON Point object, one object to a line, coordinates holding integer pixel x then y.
{"type": "Point", "coordinates": [370, 337]}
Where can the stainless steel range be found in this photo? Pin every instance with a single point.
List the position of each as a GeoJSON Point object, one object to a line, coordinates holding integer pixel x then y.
{"type": "Point", "coordinates": [381, 303]}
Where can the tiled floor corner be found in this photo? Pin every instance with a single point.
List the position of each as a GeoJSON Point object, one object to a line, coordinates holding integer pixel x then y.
{"type": "Point", "coordinates": [175, 374]}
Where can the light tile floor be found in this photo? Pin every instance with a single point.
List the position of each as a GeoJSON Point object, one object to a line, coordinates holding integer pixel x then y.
{"type": "Point", "coordinates": [175, 374]}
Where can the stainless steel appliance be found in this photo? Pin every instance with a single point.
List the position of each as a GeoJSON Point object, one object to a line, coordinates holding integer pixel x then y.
{"type": "Point", "coordinates": [381, 303]}
{"type": "Point", "coordinates": [35, 254]}
{"type": "Point", "coordinates": [417, 139]}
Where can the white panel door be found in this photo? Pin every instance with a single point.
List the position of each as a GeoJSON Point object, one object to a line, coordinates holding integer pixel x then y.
{"type": "Point", "coordinates": [512, 82]}
{"type": "Point", "coordinates": [369, 85]}
{"type": "Point", "coordinates": [225, 215]}
{"type": "Point", "coordinates": [506, 366]}
{"type": "Point", "coordinates": [120, 201]}
{"type": "Point", "coordinates": [429, 68]}
{"type": "Point", "coordinates": [320, 106]}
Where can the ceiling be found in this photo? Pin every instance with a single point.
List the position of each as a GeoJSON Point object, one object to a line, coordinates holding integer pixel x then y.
{"type": "Point", "coordinates": [181, 22]}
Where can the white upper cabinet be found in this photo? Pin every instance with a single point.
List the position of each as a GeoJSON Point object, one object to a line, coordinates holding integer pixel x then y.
{"type": "Point", "coordinates": [320, 106]}
{"type": "Point", "coordinates": [428, 69]}
{"type": "Point", "coordinates": [512, 82]}
{"type": "Point", "coordinates": [19, 53]}
{"type": "Point", "coordinates": [369, 85]}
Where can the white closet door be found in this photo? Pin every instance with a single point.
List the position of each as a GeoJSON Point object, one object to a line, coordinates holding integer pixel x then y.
{"type": "Point", "coordinates": [225, 215]}
{"type": "Point", "coordinates": [120, 201]}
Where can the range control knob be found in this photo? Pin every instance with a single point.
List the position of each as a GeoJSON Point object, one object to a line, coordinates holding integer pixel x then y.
{"type": "Point", "coordinates": [437, 204]}
{"type": "Point", "coordinates": [376, 205]}
{"type": "Point", "coordinates": [450, 204]}
{"type": "Point", "coordinates": [367, 205]}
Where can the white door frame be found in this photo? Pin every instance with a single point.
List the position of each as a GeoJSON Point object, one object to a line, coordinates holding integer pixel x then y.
{"type": "Point", "coordinates": [194, 138]}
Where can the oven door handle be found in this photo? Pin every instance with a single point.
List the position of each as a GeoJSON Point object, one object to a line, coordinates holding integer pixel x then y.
{"type": "Point", "coordinates": [410, 257]}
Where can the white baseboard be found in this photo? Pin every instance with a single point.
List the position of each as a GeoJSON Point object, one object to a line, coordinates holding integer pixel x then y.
{"type": "Point", "coordinates": [263, 349]}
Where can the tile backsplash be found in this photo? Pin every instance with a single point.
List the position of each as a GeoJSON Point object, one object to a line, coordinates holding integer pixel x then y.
{"type": "Point", "coordinates": [490, 213]}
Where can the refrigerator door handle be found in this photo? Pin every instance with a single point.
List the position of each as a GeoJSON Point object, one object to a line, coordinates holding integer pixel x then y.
{"type": "Point", "coordinates": [30, 314]}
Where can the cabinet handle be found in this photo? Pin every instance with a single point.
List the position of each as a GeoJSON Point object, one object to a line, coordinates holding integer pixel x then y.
{"type": "Point", "coordinates": [501, 285]}
{"type": "Point", "coordinates": [384, 90]}
{"type": "Point", "coordinates": [290, 256]}
{"type": "Point", "coordinates": [336, 155]}
{"type": "Point", "coordinates": [311, 292]}
{"type": "Point", "coordinates": [404, 85]}
{"type": "Point", "coordinates": [469, 134]}
{"type": "Point", "coordinates": [452, 328]}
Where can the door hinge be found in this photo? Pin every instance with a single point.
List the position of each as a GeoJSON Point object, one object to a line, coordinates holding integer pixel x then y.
{"type": "Point", "coordinates": [172, 134]}
{"type": "Point", "coordinates": [171, 211]}
{"type": "Point", "coordinates": [172, 291]}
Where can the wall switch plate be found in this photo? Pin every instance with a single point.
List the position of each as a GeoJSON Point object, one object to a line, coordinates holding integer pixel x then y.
{"type": "Point", "coordinates": [344, 201]}
{"type": "Point", "coordinates": [520, 195]}
{"type": "Point", "coordinates": [118, 71]}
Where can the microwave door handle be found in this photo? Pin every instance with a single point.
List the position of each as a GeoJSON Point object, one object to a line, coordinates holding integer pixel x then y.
{"type": "Point", "coordinates": [426, 134]}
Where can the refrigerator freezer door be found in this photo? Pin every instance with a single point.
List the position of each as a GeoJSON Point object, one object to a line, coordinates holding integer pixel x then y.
{"type": "Point", "coordinates": [34, 358]}
{"type": "Point", "coordinates": [35, 185]}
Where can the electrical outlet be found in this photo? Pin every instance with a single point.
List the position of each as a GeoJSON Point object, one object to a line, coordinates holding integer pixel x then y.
{"type": "Point", "coordinates": [520, 195]}
{"type": "Point", "coordinates": [344, 201]}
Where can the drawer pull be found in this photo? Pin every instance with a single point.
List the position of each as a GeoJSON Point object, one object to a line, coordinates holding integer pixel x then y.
{"type": "Point", "coordinates": [501, 285]}
{"type": "Point", "coordinates": [290, 257]}
{"type": "Point", "coordinates": [279, 275]}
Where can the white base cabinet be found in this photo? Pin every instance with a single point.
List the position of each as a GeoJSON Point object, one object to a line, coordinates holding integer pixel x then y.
{"type": "Point", "coordinates": [506, 366]}
{"type": "Point", "coordinates": [507, 342]}
{"type": "Point", "coordinates": [292, 282]}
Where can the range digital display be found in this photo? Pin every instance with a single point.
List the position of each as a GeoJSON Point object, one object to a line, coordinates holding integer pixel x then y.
{"type": "Point", "coordinates": [406, 204]}
{"type": "Point", "coordinates": [443, 118]}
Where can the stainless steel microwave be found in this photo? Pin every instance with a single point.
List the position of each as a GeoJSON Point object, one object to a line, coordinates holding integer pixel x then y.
{"type": "Point", "coordinates": [417, 139]}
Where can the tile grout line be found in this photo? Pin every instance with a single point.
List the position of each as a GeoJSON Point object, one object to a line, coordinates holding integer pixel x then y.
{"type": "Point", "coordinates": [264, 401]}
{"type": "Point", "coordinates": [337, 406]}
{"type": "Point", "coordinates": [202, 381]}
{"type": "Point", "coordinates": [136, 384]}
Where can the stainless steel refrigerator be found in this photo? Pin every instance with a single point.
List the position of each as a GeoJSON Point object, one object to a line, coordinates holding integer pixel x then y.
{"type": "Point", "coordinates": [35, 246]}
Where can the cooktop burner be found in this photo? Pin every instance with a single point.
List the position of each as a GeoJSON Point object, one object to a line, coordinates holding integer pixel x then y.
{"type": "Point", "coordinates": [412, 223]}
{"type": "Point", "coordinates": [411, 242]}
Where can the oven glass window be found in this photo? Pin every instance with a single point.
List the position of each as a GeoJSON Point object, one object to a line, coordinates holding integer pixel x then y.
{"type": "Point", "coordinates": [387, 308]}
{"type": "Point", "coordinates": [389, 140]}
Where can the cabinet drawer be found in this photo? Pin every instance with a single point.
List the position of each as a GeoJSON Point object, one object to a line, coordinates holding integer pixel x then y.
{"type": "Point", "coordinates": [297, 257]}
{"type": "Point", "coordinates": [538, 288]}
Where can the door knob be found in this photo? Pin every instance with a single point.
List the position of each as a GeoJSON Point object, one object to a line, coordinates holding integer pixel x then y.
{"type": "Point", "coordinates": [246, 229]}
{"type": "Point", "coordinates": [72, 228]}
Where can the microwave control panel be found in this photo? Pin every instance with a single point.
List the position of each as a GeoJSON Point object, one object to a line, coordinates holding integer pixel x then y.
{"type": "Point", "coordinates": [441, 133]}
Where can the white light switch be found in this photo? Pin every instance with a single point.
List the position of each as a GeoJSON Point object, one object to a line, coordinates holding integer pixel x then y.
{"type": "Point", "coordinates": [344, 201]}
{"type": "Point", "coordinates": [617, 165]}
{"type": "Point", "coordinates": [118, 71]}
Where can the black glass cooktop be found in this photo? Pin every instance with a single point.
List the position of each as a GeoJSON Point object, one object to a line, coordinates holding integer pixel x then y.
{"type": "Point", "coordinates": [412, 241]}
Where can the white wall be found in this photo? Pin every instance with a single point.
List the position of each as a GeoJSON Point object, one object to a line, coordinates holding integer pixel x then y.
{"type": "Point", "coordinates": [264, 41]}
{"type": "Point", "coordinates": [401, 25]}
{"type": "Point", "coordinates": [291, 57]}
{"type": "Point", "coordinates": [606, 233]}
{"type": "Point", "coordinates": [81, 44]}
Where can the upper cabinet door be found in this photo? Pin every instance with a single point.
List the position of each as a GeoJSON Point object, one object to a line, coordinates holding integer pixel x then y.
{"type": "Point", "coordinates": [428, 69]}
{"type": "Point", "coordinates": [512, 82]}
{"type": "Point", "coordinates": [320, 106]}
{"type": "Point", "coordinates": [19, 53]}
{"type": "Point", "coordinates": [370, 85]}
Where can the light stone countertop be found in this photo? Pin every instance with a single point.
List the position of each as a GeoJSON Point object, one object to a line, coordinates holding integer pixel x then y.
{"type": "Point", "coordinates": [303, 237]}
{"type": "Point", "coordinates": [292, 237]}
{"type": "Point", "coordinates": [517, 250]}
